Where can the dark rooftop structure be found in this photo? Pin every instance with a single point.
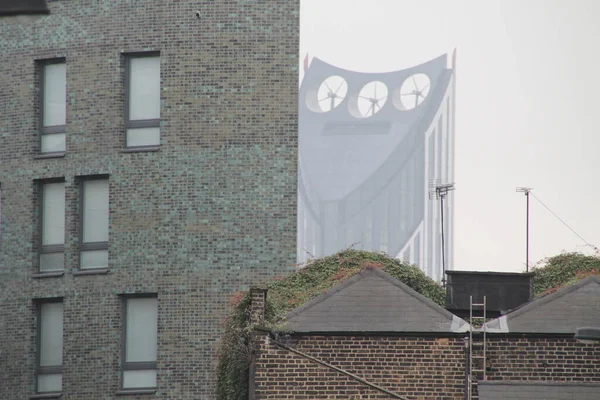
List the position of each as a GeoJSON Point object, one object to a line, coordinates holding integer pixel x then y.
{"type": "Point", "coordinates": [373, 301]}
{"type": "Point", "coordinates": [560, 312]}
{"type": "Point", "coordinates": [504, 291]}
{"type": "Point", "coordinates": [501, 390]}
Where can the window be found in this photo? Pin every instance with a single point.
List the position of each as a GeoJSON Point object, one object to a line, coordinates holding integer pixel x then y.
{"type": "Point", "coordinates": [142, 107]}
{"type": "Point", "coordinates": [52, 230]}
{"type": "Point", "coordinates": [94, 223]}
{"type": "Point", "coordinates": [140, 342]}
{"type": "Point", "coordinates": [50, 347]}
{"type": "Point", "coordinates": [53, 106]}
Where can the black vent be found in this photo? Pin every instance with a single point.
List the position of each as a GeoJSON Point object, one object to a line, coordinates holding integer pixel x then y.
{"type": "Point", "coordinates": [504, 291]}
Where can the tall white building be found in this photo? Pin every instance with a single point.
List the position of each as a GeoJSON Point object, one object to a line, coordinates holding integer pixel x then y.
{"type": "Point", "coordinates": [372, 146]}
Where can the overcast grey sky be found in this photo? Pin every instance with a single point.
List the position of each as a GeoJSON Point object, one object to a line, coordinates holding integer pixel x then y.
{"type": "Point", "coordinates": [527, 108]}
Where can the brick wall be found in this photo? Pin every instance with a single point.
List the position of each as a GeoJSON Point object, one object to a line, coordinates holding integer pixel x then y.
{"type": "Point", "coordinates": [542, 359]}
{"type": "Point", "coordinates": [258, 304]}
{"type": "Point", "coordinates": [416, 367]}
{"type": "Point", "coordinates": [419, 368]}
{"type": "Point", "coordinates": [212, 212]}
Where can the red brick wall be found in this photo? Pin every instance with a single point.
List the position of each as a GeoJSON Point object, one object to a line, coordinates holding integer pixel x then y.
{"type": "Point", "coordinates": [541, 359]}
{"type": "Point", "coordinates": [415, 367]}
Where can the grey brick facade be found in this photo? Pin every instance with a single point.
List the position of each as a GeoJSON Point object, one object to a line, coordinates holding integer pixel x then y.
{"type": "Point", "coordinates": [211, 212]}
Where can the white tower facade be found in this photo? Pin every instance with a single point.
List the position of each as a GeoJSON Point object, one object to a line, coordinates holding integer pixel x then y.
{"type": "Point", "coordinates": [371, 148]}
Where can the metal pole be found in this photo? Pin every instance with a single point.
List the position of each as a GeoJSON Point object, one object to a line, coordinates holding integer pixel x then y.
{"type": "Point", "coordinates": [527, 191]}
{"type": "Point", "coordinates": [440, 193]}
{"type": "Point", "coordinates": [470, 366]}
{"type": "Point", "coordinates": [527, 240]}
{"type": "Point", "coordinates": [443, 247]}
{"type": "Point", "coordinates": [484, 337]}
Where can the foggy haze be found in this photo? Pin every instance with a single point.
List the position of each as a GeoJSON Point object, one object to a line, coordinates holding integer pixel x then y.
{"type": "Point", "coordinates": [526, 101]}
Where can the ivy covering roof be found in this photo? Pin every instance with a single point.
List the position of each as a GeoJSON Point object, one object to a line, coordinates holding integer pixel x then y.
{"type": "Point", "coordinates": [322, 274]}
{"type": "Point", "coordinates": [288, 293]}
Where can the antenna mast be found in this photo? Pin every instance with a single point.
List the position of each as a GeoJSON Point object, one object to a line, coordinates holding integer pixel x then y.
{"type": "Point", "coordinates": [440, 192]}
{"type": "Point", "coordinates": [526, 190]}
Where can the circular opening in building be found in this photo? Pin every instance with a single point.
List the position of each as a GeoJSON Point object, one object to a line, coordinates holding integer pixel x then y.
{"type": "Point", "coordinates": [329, 95]}
{"type": "Point", "coordinates": [413, 92]}
{"type": "Point", "coordinates": [370, 100]}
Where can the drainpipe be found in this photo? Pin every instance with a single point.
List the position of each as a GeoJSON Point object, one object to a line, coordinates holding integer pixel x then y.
{"type": "Point", "coordinates": [467, 369]}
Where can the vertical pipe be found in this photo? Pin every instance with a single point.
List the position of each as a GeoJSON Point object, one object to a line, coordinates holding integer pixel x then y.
{"type": "Point", "coordinates": [470, 347]}
{"type": "Point", "coordinates": [484, 337]}
{"type": "Point", "coordinates": [443, 246]}
{"type": "Point", "coordinates": [527, 240]}
{"type": "Point", "coordinates": [467, 395]}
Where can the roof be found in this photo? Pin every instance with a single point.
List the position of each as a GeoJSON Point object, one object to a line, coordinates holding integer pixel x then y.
{"type": "Point", "coordinates": [372, 301]}
{"type": "Point", "coordinates": [502, 390]}
{"type": "Point", "coordinates": [560, 312]}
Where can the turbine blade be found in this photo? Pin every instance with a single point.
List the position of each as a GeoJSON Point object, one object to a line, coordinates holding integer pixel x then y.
{"type": "Point", "coordinates": [327, 85]}
{"type": "Point", "coordinates": [339, 87]}
{"type": "Point", "coordinates": [415, 82]}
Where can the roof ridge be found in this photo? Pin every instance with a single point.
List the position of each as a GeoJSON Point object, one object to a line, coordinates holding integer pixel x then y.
{"type": "Point", "coordinates": [454, 322]}
{"type": "Point", "coordinates": [427, 301]}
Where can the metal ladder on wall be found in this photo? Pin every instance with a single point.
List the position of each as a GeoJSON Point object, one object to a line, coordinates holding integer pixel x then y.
{"type": "Point", "coordinates": [477, 350]}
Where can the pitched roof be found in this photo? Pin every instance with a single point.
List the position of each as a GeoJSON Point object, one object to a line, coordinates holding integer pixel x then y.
{"type": "Point", "coordinates": [372, 301]}
{"type": "Point", "coordinates": [560, 312]}
{"type": "Point", "coordinates": [502, 390]}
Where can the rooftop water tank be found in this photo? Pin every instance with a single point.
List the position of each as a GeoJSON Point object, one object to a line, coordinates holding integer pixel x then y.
{"type": "Point", "coordinates": [504, 291]}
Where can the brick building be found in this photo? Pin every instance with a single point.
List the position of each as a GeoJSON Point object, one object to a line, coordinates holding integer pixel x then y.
{"type": "Point", "coordinates": [148, 163]}
{"type": "Point", "coordinates": [371, 337]}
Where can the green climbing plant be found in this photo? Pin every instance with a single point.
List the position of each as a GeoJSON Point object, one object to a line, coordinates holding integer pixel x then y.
{"type": "Point", "coordinates": [562, 270]}
{"type": "Point", "coordinates": [292, 291]}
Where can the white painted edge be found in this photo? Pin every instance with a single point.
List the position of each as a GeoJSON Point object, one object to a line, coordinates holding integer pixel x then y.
{"type": "Point", "coordinates": [501, 328]}
{"type": "Point", "coordinates": [459, 325]}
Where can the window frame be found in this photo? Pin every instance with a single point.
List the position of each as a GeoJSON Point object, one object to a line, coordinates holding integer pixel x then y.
{"type": "Point", "coordinates": [90, 246]}
{"type": "Point", "coordinates": [139, 123]}
{"type": "Point", "coordinates": [135, 365]}
{"type": "Point", "coordinates": [48, 370]}
{"type": "Point", "coordinates": [54, 129]}
{"type": "Point", "coordinates": [52, 248]}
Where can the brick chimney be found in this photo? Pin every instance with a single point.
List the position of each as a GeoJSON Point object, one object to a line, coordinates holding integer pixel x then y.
{"type": "Point", "coordinates": [258, 303]}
